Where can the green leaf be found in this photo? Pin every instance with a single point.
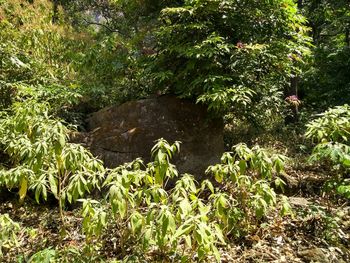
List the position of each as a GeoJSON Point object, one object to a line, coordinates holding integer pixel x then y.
{"type": "Point", "coordinates": [286, 207]}
{"type": "Point", "coordinates": [346, 161]}
{"type": "Point", "coordinates": [242, 166]}
{"type": "Point", "coordinates": [23, 187]}
{"type": "Point", "coordinates": [216, 254]}
{"type": "Point", "coordinates": [344, 190]}
{"type": "Point", "coordinates": [219, 234]}
{"type": "Point", "coordinates": [122, 207]}
{"type": "Point", "coordinates": [185, 207]}
{"type": "Point", "coordinates": [218, 177]}
{"type": "Point", "coordinates": [38, 190]}
{"type": "Point", "coordinates": [209, 185]}
{"type": "Point", "coordinates": [103, 218]}
{"type": "Point", "coordinates": [53, 185]}
{"type": "Point", "coordinates": [136, 222]}
{"type": "Point", "coordinates": [184, 229]}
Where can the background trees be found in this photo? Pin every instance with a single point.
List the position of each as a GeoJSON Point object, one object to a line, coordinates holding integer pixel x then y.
{"type": "Point", "coordinates": [244, 55]}
{"type": "Point", "coordinates": [231, 55]}
{"type": "Point", "coordinates": [327, 81]}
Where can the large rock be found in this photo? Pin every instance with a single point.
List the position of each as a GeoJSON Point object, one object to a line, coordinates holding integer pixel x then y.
{"type": "Point", "coordinates": [122, 133]}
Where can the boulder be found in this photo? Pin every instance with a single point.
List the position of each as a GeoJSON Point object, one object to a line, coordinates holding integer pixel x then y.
{"type": "Point", "coordinates": [120, 134]}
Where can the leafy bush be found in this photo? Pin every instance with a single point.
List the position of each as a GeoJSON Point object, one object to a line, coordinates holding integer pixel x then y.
{"type": "Point", "coordinates": [41, 158]}
{"type": "Point", "coordinates": [64, 65]}
{"type": "Point", "coordinates": [326, 82]}
{"type": "Point", "coordinates": [8, 233]}
{"type": "Point", "coordinates": [246, 175]}
{"type": "Point", "coordinates": [37, 58]}
{"type": "Point", "coordinates": [111, 71]}
{"type": "Point", "coordinates": [227, 55]}
{"type": "Point", "coordinates": [331, 126]}
{"type": "Point", "coordinates": [191, 220]}
{"type": "Point", "coordinates": [153, 217]}
{"type": "Point", "coordinates": [322, 222]}
{"type": "Point", "coordinates": [332, 132]}
{"type": "Point", "coordinates": [46, 255]}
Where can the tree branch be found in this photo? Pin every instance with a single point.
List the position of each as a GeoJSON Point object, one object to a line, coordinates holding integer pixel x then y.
{"type": "Point", "coordinates": [102, 25]}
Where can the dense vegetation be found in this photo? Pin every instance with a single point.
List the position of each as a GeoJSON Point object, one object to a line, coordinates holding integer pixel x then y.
{"type": "Point", "coordinates": [276, 72]}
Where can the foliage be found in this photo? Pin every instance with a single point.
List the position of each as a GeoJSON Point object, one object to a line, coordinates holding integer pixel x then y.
{"type": "Point", "coordinates": [47, 255]}
{"type": "Point", "coordinates": [228, 56]}
{"type": "Point", "coordinates": [322, 222]}
{"type": "Point", "coordinates": [38, 58]}
{"type": "Point", "coordinates": [41, 158]}
{"type": "Point", "coordinates": [326, 82]}
{"type": "Point", "coordinates": [125, 17]}
{"type": "Point", "coordinates": [331, 126]}
{"type": "Point", "coordinates": [246, 174]}
{"type": "Point", "coordinates": [146, 213]}
{"type": "Point", "coordinates": [240, 58]}
{"type": "Point", "coordinates": [111, 72]}
{"type": "Point", "coordinates": [8, 233]}
{"type": "Point", "coordinates": [332, 132]}
{"type": "Point", "coordinates": [112, 69]}
{"type": "Point", "coordinates": [198, 218]}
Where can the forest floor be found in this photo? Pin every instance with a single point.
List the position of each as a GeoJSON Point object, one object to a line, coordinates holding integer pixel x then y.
{"type": "Point", "coordinates": [318, 230]}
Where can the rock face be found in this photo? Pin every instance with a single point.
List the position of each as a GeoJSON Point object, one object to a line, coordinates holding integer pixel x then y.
{"type": "Point", "coordinates": [122, 133]}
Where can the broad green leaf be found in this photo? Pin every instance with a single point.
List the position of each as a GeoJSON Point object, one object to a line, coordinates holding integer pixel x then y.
{"type": "Point", "coordinates": [23, 189]}
{"type": "Point", "coordinates": [53, 184]}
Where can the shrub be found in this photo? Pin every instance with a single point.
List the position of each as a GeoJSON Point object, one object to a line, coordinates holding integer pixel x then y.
{"type": "Point", "coordinates": [231, 55]}
{"type": "Point", "coordinates": [246, 175]}
{"type": "Point", "coordinates": [41, 158]}
{"type": "Point", "coordinates": [191, 220]}
{"type": "Point", "coordinates": [331, 131]}
{"type": "Point", "coordinates": [8, 233]}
